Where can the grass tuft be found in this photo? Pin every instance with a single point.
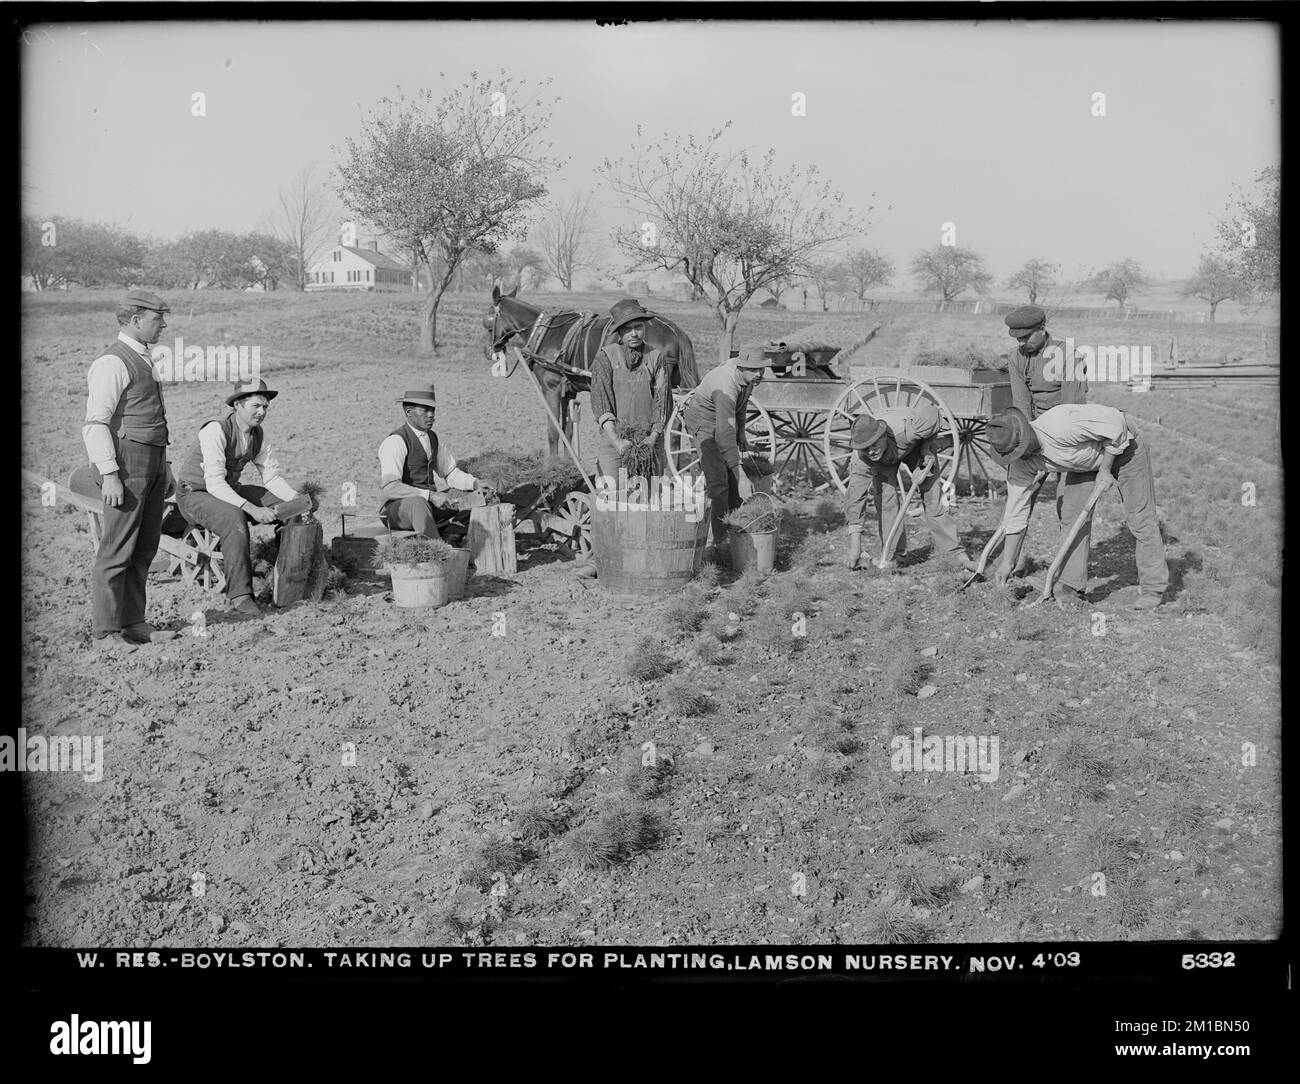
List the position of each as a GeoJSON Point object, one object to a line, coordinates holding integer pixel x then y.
{"type": "Point", "coordinates": [539, 821]}
{"type": "Point", "coordinates": [708, 649]}
{"type": "Point", "coordinates": [1084, 774]}
{"type": "Point", "coordinates": [891, 923]}
{"type": "Point", "coordinates": [647, 660]}
{"type": "Point", "coordinates": [686, 614]}
{"type": "Point", "coordinates": [684, 699]}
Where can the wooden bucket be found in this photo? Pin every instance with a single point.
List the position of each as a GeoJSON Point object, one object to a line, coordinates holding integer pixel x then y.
{"type": "Point", "coordinates": [647, 551]}
{"type": "Point", "coordinates": [419, 585]}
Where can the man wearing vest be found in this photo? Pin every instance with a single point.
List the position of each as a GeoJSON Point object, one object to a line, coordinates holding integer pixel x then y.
{"type": "Point", "coordinates": [126, 441]}
{"type": "Point", "coordinates": [629, 387]}
{"type": "Point", "coordinates": [715, 419]}
{"type": "Point", "coordinates": [1093, 441]}
{"type": "Point", "coordinates": [902, 434]}
{"type": "Point", "coordinates": [411, 460]}
{"type": "Point", "coordinates": [211, 494]}
{"type": "Point", "coordinates": [1035, 369]}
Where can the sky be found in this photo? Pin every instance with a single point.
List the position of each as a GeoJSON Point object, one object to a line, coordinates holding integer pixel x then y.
{"type": "Point", "coordinates": [987, 125]}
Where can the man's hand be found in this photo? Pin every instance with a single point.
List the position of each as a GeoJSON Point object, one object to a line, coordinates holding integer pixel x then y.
{"type": "Point", "coordinates": [1104, 481]}
{"type": "Point", "coordinates": [113, 490]}
{"type": "Point", "coordinates": [745, 486]}
{"type": "Point", "coordinates": [489, 494]}
{"type": "Point", "coordinates": [259, 514]}
{"type": "Point", "coordinates": [621, 445]}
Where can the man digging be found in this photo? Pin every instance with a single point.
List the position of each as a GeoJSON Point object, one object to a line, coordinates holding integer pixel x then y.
{"type": "Point", "coordinates": [1080, 438]}
{"type": "Point", "coordinates": [212, 496]}
{"type": "Point", "coordinates": [715, 419]}
{"type": "Point", "coordinates": [411, 461]}
{"type": "Point", "coordinates": [906, 435]}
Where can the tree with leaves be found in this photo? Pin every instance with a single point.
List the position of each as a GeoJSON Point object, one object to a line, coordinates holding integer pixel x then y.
{"type": "Point", "coordinates": [62, 251]}
{"type": "Point", "coordinates": [1035, 277]}
{"type": "Point", "coordinates": [1215, 280]}
{"type": "Point", "coordinates": [1250, 236]}
{"type": "Point", "coordinates": [1119, 281]}
{"type": "Point", "coordinates": [948, 270]}
{"type": "Point", "coordinates": [565, 237]}
{"type": "Point", "coordinates": [864, 268]}
{"type": "Point", "coordinates": [527, 267]}
{"type": "Point", "coordinates": [826, 275]}
{"type": "Point", "coordinates": [729, 223]}
{"type": "Point", "coordinates": [452, 173]}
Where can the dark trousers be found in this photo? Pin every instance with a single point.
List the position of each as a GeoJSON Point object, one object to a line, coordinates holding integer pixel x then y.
{"type": "Point", "coordinates": [719, 484]}
{"type": "Point", "coordinates": [869, 485]}
{"type": "Point", "coordinates": [413, 514]}
{"type": "Point", "coordinates": [130, 539]}
{"type": "Point", "coordinates": [230, 524]}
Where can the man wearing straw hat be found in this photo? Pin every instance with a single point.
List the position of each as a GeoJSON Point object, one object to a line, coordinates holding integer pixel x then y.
{"type": "Point", "coordinates": [126, 443]}
{"type": "Point", "coordinates": [715, 419]}
{"type": "Point", "coordinates": [902, 434]}
{"type": "Point", "coordinates": [629, 389]}
{"type": "Point", "coordinates": [1080, 438]}
{"type": "Point", "coordinates": [411, 462]}
{"type": "Point", "coordinates": [211, 495]}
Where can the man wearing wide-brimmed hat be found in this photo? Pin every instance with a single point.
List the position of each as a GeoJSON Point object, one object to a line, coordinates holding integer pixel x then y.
{"type": "Point", "coordinates": [629, 388]}
{"type": "Point", "coordinates": [715, 419]}
{"type": "Point", "coordinates": [1080, 438]}
{"type": "Point", "coordinates": [880, 442]}
{"type": "Point", "coordinates": [212, 496]}
{"type": "Point", "coordinates": [126, 442]}
{"type": "Point", "coordinates": [411, 461]}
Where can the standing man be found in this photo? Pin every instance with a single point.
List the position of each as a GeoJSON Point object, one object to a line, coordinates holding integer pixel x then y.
{"type": "Point", "coordinates": [211, 494]}
{"type": "Point", "coordinates": [715, 419]}
{"type": "Point", "coordinates": [1081, 438]}
{"type": "Point", "coordinates": [1035, 369]}
{"type": "Point", "coordinates": [902, 434]}
{"type": "Point", "coordinates": [411, 460]}
{"type": "Point", "coordinates": [126, 441]}
{"type": "Point", "coordinates": [629, 387]}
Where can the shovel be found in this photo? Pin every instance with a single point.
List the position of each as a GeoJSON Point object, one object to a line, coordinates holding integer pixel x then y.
{"type": "Point", "coordinates": [1075, 528]}
{"type": "Point", "coordinates": [990, 547]}
{"type": "Point", "coordinates": [896, 528]}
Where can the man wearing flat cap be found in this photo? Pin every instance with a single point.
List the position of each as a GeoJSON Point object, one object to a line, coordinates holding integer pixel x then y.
{"type": "Point", "coordinates": [411, 462]}
{"type": "Point", "coordinates": [1037, 364]}
{"type": "Point", "coordinates": [1081, 438]}
{"type": "Point", "coordinates": [629, 388]}
{"type": "Point", "coordinates": [212, 496]}
{"type": "Point", "coordinates": [715, 419]}
{"type": "Point", "coordinates": [126, 442]}
{"type": "Point", "coordinates": [880, 442]}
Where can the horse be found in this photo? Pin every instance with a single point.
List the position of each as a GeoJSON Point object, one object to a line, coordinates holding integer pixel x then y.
{"type": "Point", "coordinates": [561, 346]}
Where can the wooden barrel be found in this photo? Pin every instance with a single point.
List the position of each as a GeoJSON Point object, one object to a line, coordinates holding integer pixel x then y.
{"type": "Point", "coordinates": [647, 551]}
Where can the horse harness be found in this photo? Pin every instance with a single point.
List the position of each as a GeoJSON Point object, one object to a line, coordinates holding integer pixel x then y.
{"type": "Point", "coordinates": [576, 378]}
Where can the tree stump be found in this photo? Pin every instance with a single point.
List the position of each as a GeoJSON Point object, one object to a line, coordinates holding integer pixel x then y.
{"type": "Point", "coordinates": [300, 567]}
{"type": "Point", "coordinates": [491, 540]}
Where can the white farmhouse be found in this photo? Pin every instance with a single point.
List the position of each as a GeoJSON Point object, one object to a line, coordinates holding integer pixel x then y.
{"type": "Point", "coordinates": [345, 267]}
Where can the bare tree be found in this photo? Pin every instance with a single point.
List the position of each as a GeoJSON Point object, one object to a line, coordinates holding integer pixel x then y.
{"type": "Point", "coordinates": [450, 174]}
{"type": "Point", "coordinates": [1215, 280]}
{"type": "Point", "coordinates": [947, 270]}
{"type": "Point", "coordinates": [303, 218]}
{"type": "Point", "coordinates": [865, 268]}
{"type": "Point", "coordinates": [723, 221]}
{"type": "Point", "coordinates": [1036, 276]}
{"type": "Point", "coordinates": [1118, 282]}
{"type": "Point", "coordinates": [564, 237]}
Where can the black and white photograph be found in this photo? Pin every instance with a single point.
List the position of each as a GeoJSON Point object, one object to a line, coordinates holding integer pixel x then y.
{"type": "Point", "coordinates": [619, 490]}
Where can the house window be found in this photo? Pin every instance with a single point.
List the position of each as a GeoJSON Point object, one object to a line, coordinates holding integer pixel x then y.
{"type": "Point", "coordinates": [337, 255]}
{"type": "Point", "coordinates": [367, 274]}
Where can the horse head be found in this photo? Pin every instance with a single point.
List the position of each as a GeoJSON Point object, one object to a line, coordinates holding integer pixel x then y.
{"type": "Point", "coordinates": [507, 318]}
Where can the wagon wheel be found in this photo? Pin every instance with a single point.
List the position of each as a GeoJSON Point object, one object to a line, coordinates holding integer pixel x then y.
{"type": "Point", "coordinates": [874, 391]}
{"type": "Point", "coordinates": [974, 455]}
{"type": "Point", "coordinates": [798, 441]}
{"type": "Point", "coordinates": [202, 563]}
{"type": "Point", "coordinates": [572, 521]}
{"type": "Point", "coordinates": [683, 457]}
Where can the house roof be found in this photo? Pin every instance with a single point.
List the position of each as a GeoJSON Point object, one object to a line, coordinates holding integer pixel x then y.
{"type": "Point", "coordinates": [378, 259]}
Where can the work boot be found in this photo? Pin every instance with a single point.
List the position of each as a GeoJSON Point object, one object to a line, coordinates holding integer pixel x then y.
{"type": "Point", "coordinates": [144, 633]}
{"type": "Point", "coordinates": [855, 549]}
{"type": "Point", "coordinates": [1069, 596]}
{"type": "Point", "coordinates": [245, 607]}
{"type": "Point", "coordinates": [1147, 601]}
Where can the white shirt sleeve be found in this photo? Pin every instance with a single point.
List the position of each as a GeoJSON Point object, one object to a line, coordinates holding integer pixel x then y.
{"type": "Point", "coordinates": [446, 466]}
{"type": "Point", "coordinates": [106, 381]}
{"type": "Point", "coordinates": [212, 442]}
{"type": "Point", "coordinates": [270, 471]}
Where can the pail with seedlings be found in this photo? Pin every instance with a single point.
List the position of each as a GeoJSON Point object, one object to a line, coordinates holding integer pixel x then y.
{"type": "Point", "coordinates": [752, 537]}
{"type": "Point", "coordinates": [419, 567]}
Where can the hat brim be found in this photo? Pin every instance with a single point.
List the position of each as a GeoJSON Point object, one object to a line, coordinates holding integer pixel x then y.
{"type": "Point", "coordinates": [642, 316]}
{"type": "Point", "coordinates": [748, 363]}
{"type": "Point", "coordinates": [1021, 447]}
{"type": "Point", "coordinates": [267, 395]}
{"type": "Point", "coordinates": [419, 402]}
